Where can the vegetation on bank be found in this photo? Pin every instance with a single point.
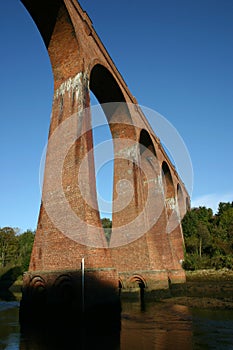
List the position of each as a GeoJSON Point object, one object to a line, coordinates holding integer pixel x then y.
{"type": "Point", "coordinates": [15, 252]}
{"type": "Point", "coordinates": [208, 238]}
{"type": "Point", "coordinates": [208, 242]}
{"type": "Point", "coordinates": [15, 247]}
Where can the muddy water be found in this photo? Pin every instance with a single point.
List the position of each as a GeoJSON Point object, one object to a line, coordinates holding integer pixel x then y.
{"type": "Point", "coordinates": [155, 326]}
{"type": "Point", "coordinates": [167, 326]}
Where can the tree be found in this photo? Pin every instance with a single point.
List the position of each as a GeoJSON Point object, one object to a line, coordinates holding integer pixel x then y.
{"type": "Point", "coordinates": [204, 238]}
{"type": "Point", "coordinates": [223, 228]}
{"type": "Point", "coordinates": [196, 229]}
{"type": "Point", "coordinates": [223, 207]}
{"type": "Point", "coordinates": [209, 238]}
{"type": "Point", "coordinates": [25, 241]}
{"type": "Point", "coordinates": [8, 246]}
{"type": "Point", "coordinates": [107, 226]}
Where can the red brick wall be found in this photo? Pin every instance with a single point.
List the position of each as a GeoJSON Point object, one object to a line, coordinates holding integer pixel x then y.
{"type": "Point", "coordinates": [74, 49]}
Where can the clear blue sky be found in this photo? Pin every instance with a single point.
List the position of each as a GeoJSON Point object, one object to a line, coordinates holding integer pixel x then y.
{"type": "Point", "coordinates": [176, 57]}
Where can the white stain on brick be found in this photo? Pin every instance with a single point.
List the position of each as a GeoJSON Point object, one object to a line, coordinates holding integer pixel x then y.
{"type": "Point", "coordinates": [73, 85]}
{"type": "Point", "coordinates": [160, 181]}
{"type": "Point", "coordinates": [149, 181]}
{"type": "Point", "coordinates": [129, 153]}
{"type": "Point", "coordinates": [171, 203]}
{"type": "Point", "coordinates": [159, 184]}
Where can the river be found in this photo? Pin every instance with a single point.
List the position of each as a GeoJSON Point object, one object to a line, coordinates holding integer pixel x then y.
{"type": "Point", "coordinates": [157, 326]}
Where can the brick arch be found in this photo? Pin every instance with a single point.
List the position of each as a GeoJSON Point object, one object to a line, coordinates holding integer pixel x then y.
{"type": "Point", "coordinates": [138, 279]}
{"type": "Point", "coordinates": [180, 201]}
{"type": "Point", "coordinates": [104, 85]}
{"type": "Point", "coordinates": [148, 157]}
{"type": "Point", "coordinates": [37, 281]}
{"type": "Point", "coordinates": [187, 204]}
{"type": "Point", "coordinates": [120, 283]}
{"type": "Point", "coordinates": [169, 189]}
{"type": "Point", "coordinates": [44, 23]}
{"type": "Point", "coordinates": [109, 94]}
{"type": "Point", "coordinates": [149, 171]}
{"type": "Point", "coordinates": [37, 287]}
{"type": "Point", "coordinates": [145, 142]}
{"type": "Point", "coordinates": [63, 288]}
{"type": "Point", "coordinates": [80, 62]}
{"type": "Point", "coordinates": [62, 280]}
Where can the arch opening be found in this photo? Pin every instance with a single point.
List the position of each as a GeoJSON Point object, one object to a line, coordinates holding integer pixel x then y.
{"type": "Point", "coordinates": [146, 143]}
{"type": "Point", "coordinates": [104, 86]}
{"type": "Point", "coordinates": [187, 204]}
{"type": "Point", "coordinates": [169, 190]}
{"type": "Point", "coordinates": [120, 286]}
{"type": "Point", "coordinates": [139, 283]}
{"type": "Point", "coordinates": [104, 163]}
{"type": "Point", "coordinates": [46, 23]}
{"type": "Point", "coordinates": [180, 201]}
{"type": "Point", "coordinates": [108, 93]}
{"type": "Point", "coordinates": [149, 170]}
{"type": "Point", "coordinates": [104, 90]}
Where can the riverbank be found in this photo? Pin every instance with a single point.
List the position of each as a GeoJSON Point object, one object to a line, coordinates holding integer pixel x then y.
{"type": "Point", "coordinates": [203, 289]}
{"type": "Point", "coordinates": [206, 289]}
{"type": "Point", "coordinates": [209, 275]}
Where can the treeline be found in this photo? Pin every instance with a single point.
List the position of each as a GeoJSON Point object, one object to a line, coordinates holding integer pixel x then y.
{"type": "Point", "coordinates": [107, 226]}
{"type": "Point", "coordinates": [15, 248]}
{"type": "Point", "coordinates": [208, 238]}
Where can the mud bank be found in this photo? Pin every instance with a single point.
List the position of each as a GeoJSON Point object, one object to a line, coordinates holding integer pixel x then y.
{"type": "Point", "coordinates": [205, 289]}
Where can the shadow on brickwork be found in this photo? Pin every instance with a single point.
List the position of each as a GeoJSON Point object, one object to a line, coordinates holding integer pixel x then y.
{"type": "Point", "coordinates": [55, 314]}
{"type": "Point", "coordinates": [68, 335]}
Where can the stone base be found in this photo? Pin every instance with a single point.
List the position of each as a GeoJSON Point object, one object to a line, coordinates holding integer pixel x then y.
{"type": "Point", "coordinates": [150, 280]}
{"type": "Point", "coordinates": [54, 298]}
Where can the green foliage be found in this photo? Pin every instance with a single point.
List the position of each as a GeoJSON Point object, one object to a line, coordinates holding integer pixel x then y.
{"type": "Point", "coordinates": [25, 242]}
{"type": "Point", "coordinates": [208, 241]}
{"type": "Point", "coordinates": [8, 246]}
{"type": "Point", "coordinates": [195, 262]}
{"type": "Point", "coordinates": [196, 229]}
{"type": "Point", "coordinates": [208, 238]}
{"type": "Point", "coordinates": [15, 249]}
{"type": "Point", "coordinates": [107, 226]}
{"type": "Point", "coordinates": [106, 223]}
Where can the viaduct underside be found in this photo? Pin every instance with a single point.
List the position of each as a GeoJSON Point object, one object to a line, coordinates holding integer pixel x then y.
{"type": "Point", "coordinates": [149, 199]}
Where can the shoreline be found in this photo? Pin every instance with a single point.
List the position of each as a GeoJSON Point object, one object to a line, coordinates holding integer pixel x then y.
{"type": "Point", "coordinates": [207, 289]}
{"type": "Point", "coordinates": [209, 275]}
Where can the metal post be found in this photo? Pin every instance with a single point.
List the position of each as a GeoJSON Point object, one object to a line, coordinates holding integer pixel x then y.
{"type": "Point", "coordinates": [83, 300]}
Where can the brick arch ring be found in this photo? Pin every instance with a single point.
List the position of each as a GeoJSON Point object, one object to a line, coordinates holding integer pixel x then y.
{"type": "Point", "coordinates": [139, 279]}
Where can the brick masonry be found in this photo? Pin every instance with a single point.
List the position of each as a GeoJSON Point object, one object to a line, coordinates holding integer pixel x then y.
{"type": "Point", "coordinates": [81, 63]}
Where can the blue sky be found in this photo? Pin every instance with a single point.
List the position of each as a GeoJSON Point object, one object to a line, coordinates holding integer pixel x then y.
{"type": "Point", "coordinates": [176, 57]}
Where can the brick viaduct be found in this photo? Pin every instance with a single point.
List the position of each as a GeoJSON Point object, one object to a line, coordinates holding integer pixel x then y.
{"type": "Point", "coordinates": [146, 246]}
